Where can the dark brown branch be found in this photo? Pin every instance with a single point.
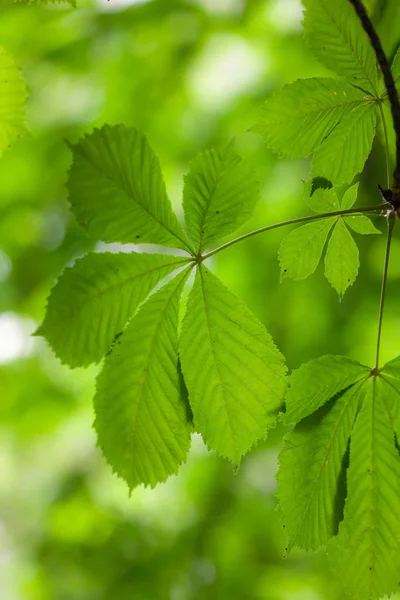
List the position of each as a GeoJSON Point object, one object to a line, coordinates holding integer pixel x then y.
{"type": "Point", "coordinates": [389, 84]}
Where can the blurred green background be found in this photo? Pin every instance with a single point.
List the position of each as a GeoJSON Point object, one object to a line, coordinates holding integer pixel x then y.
{"type": "Point", "coordinates": [189, 74]}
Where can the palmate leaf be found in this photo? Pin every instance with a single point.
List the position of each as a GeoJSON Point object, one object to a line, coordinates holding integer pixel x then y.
{"type": "Point", "coordinates": [318, 381]}
{"type": "Point", "coordinates": [296, 119]}
{"type": "Point", "coordinates": [343, 153]}
{"type": "Point", "coordinates": [234, 373]}
{"type": "Point", "coordinates": [142, 420]}
{"type": "Point", "coordinates": [13, 94]}
{"type": "Point", "coordinates": [341, 259]}
{"type": "Point", "coordinates": [336, 400]}
{"type": "Point", "coordinates": [300, 252]}
{"type": "Point", "coordinates": [311, 471]}
{"type": "Point", "coordinates": [219, 195]}
{"type": "Point", "coordinates": [93, 300]}
{"type": "Point", "coordinates": [366, 552]}
{"type": "Point", "coordinates": [117, 191]}
{"type": "Point", "coordinates": [338, 40]}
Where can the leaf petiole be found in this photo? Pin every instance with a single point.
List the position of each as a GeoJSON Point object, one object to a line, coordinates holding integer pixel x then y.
{"type": "Point", "coordinates": [309, 218]}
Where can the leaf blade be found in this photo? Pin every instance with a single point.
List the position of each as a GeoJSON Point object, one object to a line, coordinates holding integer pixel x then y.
{"type": "Point", "coordinates": [367, 549]}
{"type": "Point", "coordinates": [233, 371]}
{"type": "Point", "coordinates": [296, 119]}
{"type": "Point", "coordinates": [92, 302]}
{"type": "Point", "coordinates": [219, 195]}
{"type": "Point", "coordinates": [13, 94]}
{"type": "Point", "coordinates": [117, 192]}
{"type": "Point", "coordinates": [344, 152]}
{"type": "Point", "coordinates": [310, 468]}
{"type": "Point", "coordinates": [341, 259]}
{"type": "Point", "coordinates": [315, 382]}
{"type": "Point", "coordinates": [300, 252]}
{"type": "Point", "coordinates": [339, 42]}
{"type": "Point", "coordinates": [141, 418]}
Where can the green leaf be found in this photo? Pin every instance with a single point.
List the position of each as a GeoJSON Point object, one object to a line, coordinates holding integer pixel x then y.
{"type": "Point", "coordinates": [338, 40]}
{"type": "Point", "coordinates": [117, 191]}
{"type": "Point", "coordinates": [234, 373]}
{"type": "Point", "coordinates": [361, 224]}
{"type": "Point", "coordinates": [341, 260]}
{"type": "Point", "coordinates": [358, 223]}
{"type": "Point", "coordinates": [343, 154]}
{"type": "Point", "coordinates": [320, 199]}
{"type": "Point", "coordinates": [366, 552]}
{"type": "Point", "coordinates": [142, 420]}
{"type": "Point", "coordinates": [220, 193]}
{"type": "Point", "coordinates": [296, 119]}
{"type": "Point", "coordinates": [92, 302]}
{"type": "Point", "coordinates": [317, 381]}
{"type": "Point", "coordinates": [13, 94]}
{"type": "Point", "coordinates": [349, 197]}
{"type": "Point", "coordinates": [310, 477]}
{"type": "Point", "coordinates": [300, 251]}
{"type": "Point", "coordinates": [44, 2]}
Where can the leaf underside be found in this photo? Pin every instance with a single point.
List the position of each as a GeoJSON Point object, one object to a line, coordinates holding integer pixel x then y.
{"type": "Point", "coordinates": [13, 94]}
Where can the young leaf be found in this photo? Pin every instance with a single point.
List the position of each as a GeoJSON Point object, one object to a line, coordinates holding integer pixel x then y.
{"type": "Point", "coordinates": [141, 417]}
{"type": "Point", "coordinates": [297, 118]}
{"type": "Point", "coordinates": [349, 197]}
{"type": "Point", "coordinates": [220, 193]}
{"type": "Point", "coordinates": [341, 260]}
{"type": "Point", "coordinates": [234, 373]}
{"type": "Point", "coordinates": [13, 94]}
{"type": "Point", "coordinates": [311, 471]}
{"type": "Point", "coordinates": [321, 199]}
{"type": "Point", "coordinates": [318, 381]}
{"type": "Point", "coordinates": [366, 552]}
{"type": "Point", "coordinates": [338, 40]}
{"type": "Point", "coordinates": [343, 154]}
{"type": "Point", "coordinates": [117, 191]}
{"type": "Point", "coordinates": [93, 300]}
{"type": "Point", "coordinates": [359, 223]}
{"type": "Point", "coordinates": [300, 251]}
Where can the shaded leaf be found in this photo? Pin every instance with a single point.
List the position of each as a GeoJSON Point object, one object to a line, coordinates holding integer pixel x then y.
{"type": "Point", "coordinates": [320, 199]}
{"type": "Point", "coordinates": [297, 118]}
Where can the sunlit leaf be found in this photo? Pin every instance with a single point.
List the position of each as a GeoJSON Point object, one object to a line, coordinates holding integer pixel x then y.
{"type": "Point", "coordinates": [93, 300]}
{"type": "Point", "coordinates": [343, 154]}
{"type": "Point", "coordinates": [301, 250]}
{"type": "Point", "coordinates": [366, 552]}
{"type": "Point", "coordinates": [320, 199]}
{"type": "Point", "coordinates": [117, 191]}
{"type": "Point", "coordinates": [310, 476]}
{"type": "Point", "coordinates": [233, 371]}
{"type": "Point", "coordinates": [317, 381]}
{"type": "Point", "coordinates": [13, 94]}
{"type": "Point", "coordinates": [219, 195]}
{"type": "Point", "coordinates": [142, 420]}
{"type": "Point", "coordinates": [338, 40]}
{"type": "Point", "coordinates": [341, 259]}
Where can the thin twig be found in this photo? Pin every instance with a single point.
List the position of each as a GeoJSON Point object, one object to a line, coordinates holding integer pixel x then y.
{"type": "Point", "coordinates": [389, 83]}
